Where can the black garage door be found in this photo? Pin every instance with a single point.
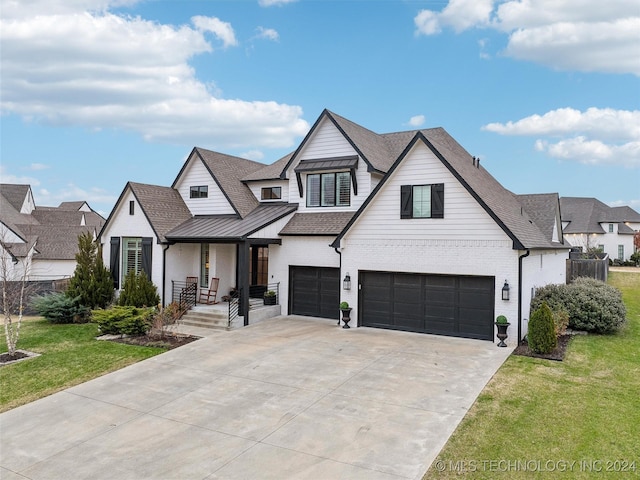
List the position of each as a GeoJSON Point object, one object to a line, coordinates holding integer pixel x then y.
{"type": "Point", "coordinates": [460, 306]}
{"type": "Point", "coordinates": [314, 291]}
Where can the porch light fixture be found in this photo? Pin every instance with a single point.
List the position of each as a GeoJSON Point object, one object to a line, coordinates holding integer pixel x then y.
{"type": "Point", "coordinates": [505, 291]}
{"type": "Point", "coordinates": [346, 283]}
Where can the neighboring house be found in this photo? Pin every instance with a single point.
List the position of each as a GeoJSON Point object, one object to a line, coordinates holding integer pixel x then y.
{"type": "Point", "coordinates": [427, 237]}
{"type": "Point", "coordinates": [590, 224]}
{"type": "Point", "coordinates": [46, 237]}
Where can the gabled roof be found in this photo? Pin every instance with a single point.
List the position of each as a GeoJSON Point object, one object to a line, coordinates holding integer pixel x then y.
{"type": "Point", "coordinates": [53, 230]}
{"type": "Point", "coordinates": [162, 206]}
{"type": "Point", "coordinates": [214, 228]}
{"type": "Point", "coordinates": [270, 172]}
{"type": "Point", "coordinates": [585, 215]}
{"type": "Point", "coordinates": [325, 223]}
{"type": "Point", "coordinates": [228, 172]}
{"type": "Point", "coordinates": [502, 205]}
{"type": "Point", "coordinates": [14, 194]}
{"type": "Point", "coordinates": [544, 210]}
{"type": "Point", "coordinates": [72, 205]}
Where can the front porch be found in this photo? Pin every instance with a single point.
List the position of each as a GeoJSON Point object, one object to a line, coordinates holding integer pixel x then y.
{"type": "Point", "coordinates": [217, 316]}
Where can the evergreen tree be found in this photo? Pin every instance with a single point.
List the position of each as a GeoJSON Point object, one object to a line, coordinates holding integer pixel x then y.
{"type": "Point", "coordinates": [91, 281]}
{"type": "Point", "coordinates": [138, 291]}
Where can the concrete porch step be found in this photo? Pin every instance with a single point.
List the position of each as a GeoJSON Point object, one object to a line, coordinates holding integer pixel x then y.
{"type": "Point", "coordinates": [206, 319]}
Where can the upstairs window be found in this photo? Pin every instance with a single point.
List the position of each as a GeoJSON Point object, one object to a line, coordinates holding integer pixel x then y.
{"type": "Point", "coordinates": [422, 201]}
{"type": "Point", "coordinates": [329, 189]}
{"type": "Point", "coordinates": [611, 228]}
{"type": "Point", "coordinates": [271, 193]}
{"type": "Point", "coordinates": [199, 191]}
{"type": "Point", "coordinates": [132, 207]}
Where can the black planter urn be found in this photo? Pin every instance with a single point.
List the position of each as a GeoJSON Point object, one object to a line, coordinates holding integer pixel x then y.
{"type": "Point", "coordinates": [502, 333]}
{"type": "Point", "coordinates": [269, 299]}
{"type": "Point", "coordinates": [346, 317]}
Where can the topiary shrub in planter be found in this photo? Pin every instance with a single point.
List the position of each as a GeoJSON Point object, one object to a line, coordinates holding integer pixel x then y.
{"type": "Point", "coordinates": [542, 331]}
{"type": "Point", "coordinates": [592, 305]}
{"type": "Point", "coordinates": [124, 320]}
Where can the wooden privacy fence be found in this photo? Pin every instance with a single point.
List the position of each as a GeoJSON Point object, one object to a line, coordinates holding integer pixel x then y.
{"type": "Point", "coordinates": [597, 268]}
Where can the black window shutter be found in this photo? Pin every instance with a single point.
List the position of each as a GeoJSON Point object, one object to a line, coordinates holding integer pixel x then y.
{"type": "Point", "coordinates": [114, 261]}
{"type": "Point", "coordinates": [406, 201]}
{"type": "Point", "coordinates": [146, 255]}
{"type": "Point", "coordinates": [437, 200]}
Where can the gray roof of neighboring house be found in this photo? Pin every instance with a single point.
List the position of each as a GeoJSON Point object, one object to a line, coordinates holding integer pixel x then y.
{"type": "Point", "coordinates": [54, 230]}
{"type": "Point", "coordinates": [586, 214]}
{"type": "Point", "coordinates": [163, 206]}
{"type": "Point", "coordinates": [229, 171]}
{"type": "Point", "coordinates": [544, 210]}
{"type": "Point", "coordinates": [72, 205]}
{"type": "Point", "coordinates": [14, 194]}
{"type": "Point", "coordinates": [229, 227]}
{"type": "Point", "coordinates": [324, 223]}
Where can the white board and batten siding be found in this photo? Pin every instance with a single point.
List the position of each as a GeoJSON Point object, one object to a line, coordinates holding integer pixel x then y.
{"type": "Point", "coordinates": [328, 142]}
{"type": "Point", "coordinates": [122, 225]}
{"type": "Point", "coordinates": [467, 241]}
{"type": "Point", "coordinates": [196, 174]}
{"type": "Point", "coordinates": [256, 189]}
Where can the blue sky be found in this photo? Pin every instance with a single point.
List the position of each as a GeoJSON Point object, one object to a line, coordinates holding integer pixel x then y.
{"type": "Point", "coordinates": [95, 93]}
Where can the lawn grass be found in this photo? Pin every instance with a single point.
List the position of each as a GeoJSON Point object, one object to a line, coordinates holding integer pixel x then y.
{"type": "Point", "coordinates": [70, 355]}
{"type": "Point", "coordinates": [535, 417]}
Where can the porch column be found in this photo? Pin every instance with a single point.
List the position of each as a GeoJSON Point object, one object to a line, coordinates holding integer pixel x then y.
{"type": "Point", "coordinates": [243, 280]}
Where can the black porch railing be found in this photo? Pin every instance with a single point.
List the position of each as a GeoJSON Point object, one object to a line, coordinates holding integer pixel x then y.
{"type": "Point", "coordinates": [184, 293]}
{"type": "Point", "coordinates": [234, 306]}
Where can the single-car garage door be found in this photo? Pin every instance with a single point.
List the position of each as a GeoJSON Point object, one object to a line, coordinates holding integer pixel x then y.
{"type": "Point", "coordinates": [314, 291]}
{"type": "Point", "coordinates": [460, 306]}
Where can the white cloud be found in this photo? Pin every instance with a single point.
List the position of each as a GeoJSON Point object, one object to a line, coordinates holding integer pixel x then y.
{"type": "Point", "coordinates": [416, 121]}
{"type": "Point", "coordinates": [38, 166]}
{"type": "Point", "coordinates": [595, 136]}
{"type": "Point", "coordinates": [256, 155]}
{"type": "Point", "coordinates": [583, 35]}
{"type": "Point", "coordinates": [106, 71]}
{"type": "Point", "coordinates": [72, 193]}
{"type": "Point", "coordinates": [6, 177]}
{"type": "Point", "coordinates": [268, 34]}
{"type": "Point", "coordinates": [220, 29]}
{"type": "Point", "coordinates": [277, 3]}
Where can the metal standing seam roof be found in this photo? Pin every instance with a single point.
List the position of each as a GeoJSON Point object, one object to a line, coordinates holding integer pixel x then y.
{"type": "Point", "coordinates": [229, 227]}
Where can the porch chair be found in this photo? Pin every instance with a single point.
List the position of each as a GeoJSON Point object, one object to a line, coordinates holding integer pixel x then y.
{"type": "Point", "coordinates": [209, 294]}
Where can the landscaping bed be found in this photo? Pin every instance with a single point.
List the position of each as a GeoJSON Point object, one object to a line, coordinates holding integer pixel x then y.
{"type": "Point", "coordinates": [557, 353]}
{"type": "Point", "coordinates": [165, 341]}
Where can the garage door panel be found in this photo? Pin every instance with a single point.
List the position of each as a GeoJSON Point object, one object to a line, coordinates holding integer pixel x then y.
{"type": "Point", "coordinates": [438, 304]}
{"type": "Point", "coordinates": [315, 291]}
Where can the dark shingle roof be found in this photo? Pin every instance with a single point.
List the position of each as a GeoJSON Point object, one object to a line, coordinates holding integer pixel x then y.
{"type": "Point", "coordinates": [270, 172]}
{"type": "Point", "coordinates": [229, 227]}
{"type": "Point", "coordinates": [229, 171]}
{"type": "Point", "coordinates": [544, 209]}
{"type": "Point", "coordinates": [14, 194]}
{"type": "Point", "coordinates": [325, 223]}
{"type": "Point", "coordinates": [163, 207]}
{"type": "Point", "coordinates": [586, 214]}
{"type": "Point", "coordinates": [59, 243]}
{"type": "Point", "coordinates": [71, 205]}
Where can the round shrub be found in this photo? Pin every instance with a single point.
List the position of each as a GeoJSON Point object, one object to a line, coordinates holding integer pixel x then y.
{"type": "Point", "coordinates": [127, 320]}
{"type": "Point", "coordinates": [59, 308]}
{"type": "Point", "coordinates": [592, 305]}
{"type": "Point", "coordinates": [542, 331]}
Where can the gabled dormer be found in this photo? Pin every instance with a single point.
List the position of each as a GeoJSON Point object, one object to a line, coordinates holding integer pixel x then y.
{"type": "Point", "coordinates": [210, 184]}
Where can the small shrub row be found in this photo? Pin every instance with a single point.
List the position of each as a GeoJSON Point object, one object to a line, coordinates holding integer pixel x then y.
{"type": "Point", "coordinates": [590, 304]}
{"type": "Point", "coordinates": [60, 308]}
{"type": "Point", "coordinates": [124, 320]}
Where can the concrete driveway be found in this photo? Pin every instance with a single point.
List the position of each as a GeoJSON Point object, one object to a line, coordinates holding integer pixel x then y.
{"type": "Point", "coordinates": [290, 397]}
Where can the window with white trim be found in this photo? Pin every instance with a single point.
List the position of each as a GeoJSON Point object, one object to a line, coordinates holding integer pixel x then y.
{"type": "Point", "coordinates": [621, 252]}
{"type": "Point", "coordinates": [329, 189]}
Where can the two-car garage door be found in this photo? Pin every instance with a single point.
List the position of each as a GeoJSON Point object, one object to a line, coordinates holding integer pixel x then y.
{"type": "Point", "coordinates": [460, 306]}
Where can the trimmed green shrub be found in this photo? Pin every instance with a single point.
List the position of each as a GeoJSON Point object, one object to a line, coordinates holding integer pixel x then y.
{"type": "Point", "coordinates": [592, 305]}
{"type": "Point", "coordinates": [138, 291]}
{"type": "Point", "coordinates": [123, 320]}
{"type": "Point", "coordinates": [542, 332]}
{"type": "Point", "coordinates": [59, 308]}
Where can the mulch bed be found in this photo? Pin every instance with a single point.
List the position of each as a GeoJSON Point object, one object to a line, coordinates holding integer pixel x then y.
{"type": "Point", "coordinates": [557, 354]}
{"type": "Point", "coordinates": [6, 359]}
{"type": "Point", "coordinates": [154, 340]}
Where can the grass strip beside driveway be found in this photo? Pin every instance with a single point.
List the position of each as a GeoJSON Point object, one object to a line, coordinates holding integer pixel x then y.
{"type": "Point", "coordinates": [541, 419]}
{"type": "Point", "coordinates": [70, 355]}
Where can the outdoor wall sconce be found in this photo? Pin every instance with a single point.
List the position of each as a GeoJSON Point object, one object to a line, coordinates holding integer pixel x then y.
{"type": "Point", "coordinates": [346, 283]}
{"type": "Point", "coordinates": [505, 291]}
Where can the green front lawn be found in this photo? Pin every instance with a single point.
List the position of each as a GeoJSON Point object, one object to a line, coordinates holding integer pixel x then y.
{"type": "Point", "coordinates": [541, 419]}
{"type": "Point", "coordinates": [70, 355]}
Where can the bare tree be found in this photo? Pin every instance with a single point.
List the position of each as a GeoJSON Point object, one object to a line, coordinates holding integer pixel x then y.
{"type": "Point", "coordinates": [14, 273]}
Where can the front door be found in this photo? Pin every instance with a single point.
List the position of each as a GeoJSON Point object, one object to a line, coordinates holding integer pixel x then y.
{"type": "Point", "coordinates": [258, 270]}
